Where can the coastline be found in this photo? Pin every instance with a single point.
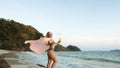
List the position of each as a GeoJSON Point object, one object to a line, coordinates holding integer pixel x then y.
{"type": "Point", "coordinates": [9, 59]}
{"type": "Point", "coordinates": [84, 59]}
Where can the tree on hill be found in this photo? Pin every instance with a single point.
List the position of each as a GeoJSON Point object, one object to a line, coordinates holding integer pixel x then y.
{"type": "Point", "coordinates": [13, 34]}
{"type": "Point", "coordinates": [60, 48]}
{"type": "Point", "coordinates": [73, 48]}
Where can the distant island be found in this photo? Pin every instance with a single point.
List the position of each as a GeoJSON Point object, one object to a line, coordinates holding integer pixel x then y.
{"type": "Point", "coordinates": [116, 50]}
{"type": "Point", "coordinates": [68, 48]}
{"type": "Point", "coordinates": [13, 34]}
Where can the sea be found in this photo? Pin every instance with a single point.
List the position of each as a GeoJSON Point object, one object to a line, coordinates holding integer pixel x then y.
{"type": "Point", "coordinates": [73, 59]}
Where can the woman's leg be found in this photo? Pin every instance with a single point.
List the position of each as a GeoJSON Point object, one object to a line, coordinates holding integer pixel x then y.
{"type": "Point", "coordinates": [49, 62]}
{"type": "Point", "coordinates": [54, 58]}
{"type": "Point", "coordinates": [55, 62]}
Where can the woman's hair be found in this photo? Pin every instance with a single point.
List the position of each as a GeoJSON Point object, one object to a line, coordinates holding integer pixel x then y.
{"type": "Point", "coordinates": [48, 34]}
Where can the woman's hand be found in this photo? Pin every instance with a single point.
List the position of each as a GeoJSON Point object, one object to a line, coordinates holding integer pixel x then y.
{"type": "Point", "coordinates": [59, 41]}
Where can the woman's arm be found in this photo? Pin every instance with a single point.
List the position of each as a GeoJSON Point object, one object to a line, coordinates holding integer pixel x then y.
{"type": "Point", "coordinates": [59, 41]}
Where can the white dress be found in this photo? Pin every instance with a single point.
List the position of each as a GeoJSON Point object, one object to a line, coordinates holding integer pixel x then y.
{"type": "Point", "coordinates": [39, 46]}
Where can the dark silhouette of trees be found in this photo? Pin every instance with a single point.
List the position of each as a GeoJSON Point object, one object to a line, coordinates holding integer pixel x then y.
{"type": "Point", "coordinates": [13, 34]}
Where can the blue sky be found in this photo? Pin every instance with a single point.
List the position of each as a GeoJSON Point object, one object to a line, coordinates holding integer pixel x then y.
{"type": "Point", "coordinates": [88, 24]}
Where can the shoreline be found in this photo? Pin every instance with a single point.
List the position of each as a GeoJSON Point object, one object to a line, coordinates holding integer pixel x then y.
{"type": "Point", "coordinates": [9, 59]}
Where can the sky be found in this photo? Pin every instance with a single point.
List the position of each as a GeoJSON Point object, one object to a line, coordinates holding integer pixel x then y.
{"type": "Point", "coordinates": [91, 25]}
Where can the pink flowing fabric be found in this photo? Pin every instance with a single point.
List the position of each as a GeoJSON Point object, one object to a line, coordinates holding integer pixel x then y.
{"type": "Point", "coordinates": [38, 46]}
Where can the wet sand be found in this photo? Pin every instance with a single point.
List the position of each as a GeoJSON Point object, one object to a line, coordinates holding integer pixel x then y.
{"type": "Point", "coordinates": [12, 59]}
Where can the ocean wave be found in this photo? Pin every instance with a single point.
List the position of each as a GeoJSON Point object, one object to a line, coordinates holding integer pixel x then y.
{"type": "Point", "coordinates": [72, 60]}
{"type": "Point", "coordinates": [101, 60]}
{"type": "Point", "coordinates": [96, 59]}
{"type": "Point", "coordinates": [107, 57]}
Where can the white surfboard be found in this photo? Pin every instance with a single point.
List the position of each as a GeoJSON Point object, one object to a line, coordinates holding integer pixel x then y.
{"type": "Point", "coordinates": [39, 46]}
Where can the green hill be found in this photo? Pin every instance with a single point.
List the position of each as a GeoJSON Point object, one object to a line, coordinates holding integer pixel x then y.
{"type": "Point", "coordinates": [13, 34]}
{"type": "Point", "coordinates": [73, 48]}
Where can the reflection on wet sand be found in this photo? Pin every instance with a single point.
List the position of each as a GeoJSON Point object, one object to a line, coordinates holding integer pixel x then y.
{"type": "Point", "coordinates": [11, 60]}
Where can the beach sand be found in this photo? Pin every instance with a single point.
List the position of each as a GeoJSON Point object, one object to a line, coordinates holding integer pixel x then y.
{"type": "Point", "coordinates": [13, 61]}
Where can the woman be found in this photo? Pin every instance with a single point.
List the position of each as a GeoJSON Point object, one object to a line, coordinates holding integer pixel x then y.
{"type": "Point", "coordinates": [51, 54]}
